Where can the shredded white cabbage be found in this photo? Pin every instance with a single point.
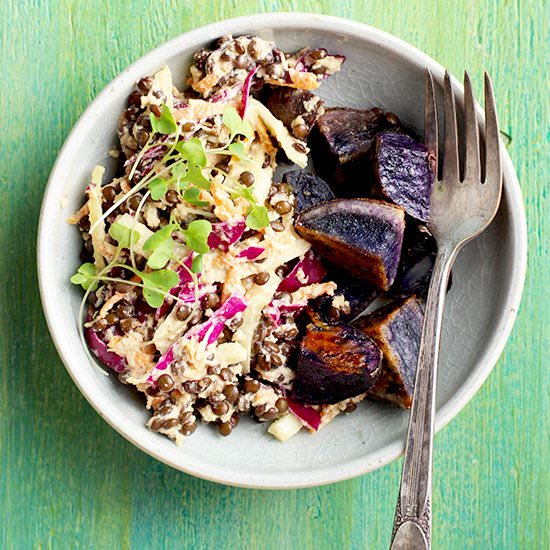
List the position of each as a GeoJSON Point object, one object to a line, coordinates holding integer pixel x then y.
{"type": "Point", "coordinates": [285, 427]}
{"type": "Point", "coordinates": [95, 213]}
{"type": "Point", "coordinates": [162, 82]}
{"type": "Point", "coordinates": [278, 130]}
{"type": "Point", "coordinates": [257, 298]}
{"type": "Point", "coordinates": [230, 353]}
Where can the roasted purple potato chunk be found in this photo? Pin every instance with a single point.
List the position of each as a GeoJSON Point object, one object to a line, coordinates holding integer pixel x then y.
{"type": "Point", "coordinates": [348, 301]}
{"type": "Point", "coordinates": [396, 329]}
{"type": "Point", "coordinates": [361, 236]}
{"type": "Point", "coordinates": [335, 362]}
{"type": "Point", "coordinates": [308, 189]}
{"type": "Point", "coordinates": [341, 142]}
{"type": "Point", "coordinates": [417, 260]}
{"type": "Point", "coordinates": [297, 109]}
{"type": "Point", "coordinates": [402, 173]}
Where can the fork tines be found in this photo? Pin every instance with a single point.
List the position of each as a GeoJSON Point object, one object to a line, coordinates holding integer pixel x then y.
{"type": "Point", "coordinates": [449, 167]}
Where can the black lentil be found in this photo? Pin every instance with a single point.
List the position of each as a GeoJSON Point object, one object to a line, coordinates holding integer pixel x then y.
{"type": "Point", "coordinates": [183, 312]}
{"type": "Point", "coordinates": [188, 428]}
{"type": "Point", "coordinates": [261, 278]}
{"type": "Point", "coordinates": [165, 382]}
{"type": "Point", "coordinates": [220, 408]}
{"type": "Point", "coordinates": [231, 393]}
{"type": "Point", "coordinates": [225, 428]}
{"type": "Point", "coordinates": [247, 178]}
{"type": "Point", "coordinates": [300, 147]}
{"type": "Point", "coordinates": [172, 197]}
{"type": "Point", "coordinates": [109, 193]}
{"type": "Point", "coordinates": [170, 423]}
{"type": "Point", "coordinates": [251, 386]}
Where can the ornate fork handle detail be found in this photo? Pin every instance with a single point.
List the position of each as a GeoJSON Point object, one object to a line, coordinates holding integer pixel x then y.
{"type": "Point", "coordinates": [412, 524]}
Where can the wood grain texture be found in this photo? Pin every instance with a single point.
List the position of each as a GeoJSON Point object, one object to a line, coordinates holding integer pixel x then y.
{"type": "Point", "coordinates": [67, 480]}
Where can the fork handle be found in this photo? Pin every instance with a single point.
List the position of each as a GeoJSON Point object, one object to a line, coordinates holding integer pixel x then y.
{"type": "Point", "coordinates": [412, 524]}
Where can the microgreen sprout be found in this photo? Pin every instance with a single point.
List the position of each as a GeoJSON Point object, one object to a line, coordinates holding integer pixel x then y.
{"type": "Point", "coordinates": [257, 217]}
{"type": "Point", "coordinates": [148, 145]}
{"type": "Point", "coordinates": [158, 188]}
{"type": "Point", "coordinates": [165, 124]}
{"type": "Point", "coordinates": [191, 196]}
{"type": "Point", "coordinates": [195, 176]}
{"type": "Point", "coordinates": [161, 246]}
{"type": "Point", "coordinates": [134, 224]}
{"type": "Point", "coordinates": [196, 264]}
{"type": "Point", "coordinates": [124, 236]}
{"type": "Point", "coordinates": [187, 164]}
{"type": "Point", "coordinates": [192, 151]}
{"type": "Point", "coordinates": [155, 284]}
{"type": "Point", "coordinates": [237, 150]}
{"type": "Point", "coordinates": [183, 168]}
{"type": "Point", "coordinates": [86, 277]}
{"type": "Point", "coordinates": [235, 124]}
{"type": "Point", "coordinates": [196, 235]}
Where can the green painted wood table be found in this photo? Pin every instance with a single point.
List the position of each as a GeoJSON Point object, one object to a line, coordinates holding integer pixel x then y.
{"type": "Point", "coordinates": [67, 480]}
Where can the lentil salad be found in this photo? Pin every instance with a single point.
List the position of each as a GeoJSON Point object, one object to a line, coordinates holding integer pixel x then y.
{"type": "Point", "coordinates": [194, 277]}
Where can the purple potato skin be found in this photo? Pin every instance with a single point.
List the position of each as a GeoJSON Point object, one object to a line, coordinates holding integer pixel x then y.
{"type": "Point", "coordinates": [289, 103]}
{"type": "Point", "coordinates": [357, 294]}
{"type": "Point", "coordinates": [308, 189]}
{"type": "Point", "coordinates": [361, 236]}
{"type": "Point", "coordinates": [402, 173]}
{"type": "Point", "coordinates": [335, 362]}
{"type": "Point", "coordinates": [396, 329]}
{"type": "Point", "coordinates": [417, 260]}
{"type": "Point", "coordinates": [340, 144]}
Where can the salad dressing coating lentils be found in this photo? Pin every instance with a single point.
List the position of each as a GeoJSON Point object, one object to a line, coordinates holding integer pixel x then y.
{"type": "Point", "coordinates": [199, 290]}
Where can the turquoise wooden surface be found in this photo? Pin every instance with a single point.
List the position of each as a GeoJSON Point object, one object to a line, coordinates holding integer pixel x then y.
{"type": "Point", "coordinates": [67, 480]}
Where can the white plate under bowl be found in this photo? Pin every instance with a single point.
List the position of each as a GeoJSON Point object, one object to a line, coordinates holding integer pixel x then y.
{"type": "Point", "coordinates": [380, 70]}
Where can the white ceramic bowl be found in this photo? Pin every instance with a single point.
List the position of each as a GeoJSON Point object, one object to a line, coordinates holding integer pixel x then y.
{"type": "Point", "coordinates": [488, 277]}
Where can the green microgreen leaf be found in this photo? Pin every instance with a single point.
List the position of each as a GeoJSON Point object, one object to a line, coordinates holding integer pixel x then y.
{"type": "Point", "coordinates": [158, 188]}
{"type": "Point", "coordinates": [247, 194]}
{"type": "Point", "coordinates": [161, 256]}
{"type": "Point", "coordinates": [85, 276]}
{"type": "Point", "coordinates": [178, 172]}
{"type": "Point", "coordinates": [192, 150]}
{"type": "Point", "coordinates": [196, 264]}
{"type": "Point", "coordinates": [257, 217]}
{"type": "Point", "coordinates": [156, 284]}
{"type": "Point", "coordinates": [157, 238]}
{"type": "Point", "coordinates": [236, 125]}
{"type": "Point", "coordinates": [237, 149]}
{"type": "Point", "coordinates": [124, 236]}
{"type": "Point", "coordinates": [196, 235]}
{"type": "Point", "coordinates": [162, 246]}
{"type": "Point", "coordinates": [194, 175]}
{"type": "Point", "coordinates": [191, 196]}
{"type": "Point", "coordinates": [165, 124]}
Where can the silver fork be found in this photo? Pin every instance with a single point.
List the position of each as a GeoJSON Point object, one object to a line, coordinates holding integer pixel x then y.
{"type": "Point", "coordinates": [462, 207]}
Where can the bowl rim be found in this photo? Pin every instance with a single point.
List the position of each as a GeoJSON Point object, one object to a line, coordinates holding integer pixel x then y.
{"type": "Point", "coordinates": [325, 475]}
